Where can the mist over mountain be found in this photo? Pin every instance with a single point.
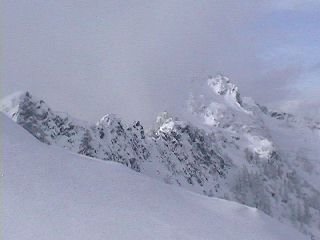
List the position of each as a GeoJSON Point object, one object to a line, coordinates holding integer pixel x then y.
{"type": "Point", "coordinates": [222, 145]}
{"type": "Point", "coordinates": [178, 120]}
{"type": "Point", "coordinates": [148, 54]}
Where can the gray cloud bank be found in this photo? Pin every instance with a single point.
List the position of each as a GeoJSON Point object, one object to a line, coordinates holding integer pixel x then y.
{"type": "Point", "coordinates": [137, 58]}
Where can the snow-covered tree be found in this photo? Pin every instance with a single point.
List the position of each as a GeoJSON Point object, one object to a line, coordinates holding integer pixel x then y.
{"type": "Point", "coordinates": [85, 146]}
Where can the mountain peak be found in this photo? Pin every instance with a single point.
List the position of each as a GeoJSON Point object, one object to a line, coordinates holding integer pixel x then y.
{"type": "Point", "coordinates": [109, 120]}
{"type": "Point", "coordinates": [218, 102]}
{"type": "Point", "coordinates": [222, 86]}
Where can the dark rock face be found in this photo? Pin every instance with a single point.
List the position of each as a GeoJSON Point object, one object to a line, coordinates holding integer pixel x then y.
{"type": "Point", "coordinates": [193, 149]}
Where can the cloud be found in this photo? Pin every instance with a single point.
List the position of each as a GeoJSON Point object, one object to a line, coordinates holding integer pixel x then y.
{"type": "Point", "coordinates": [137, 58]}
{"type": "Point", "coordinates": [294, 5]}
{"type": "Point", "coordinates": [301, 108]}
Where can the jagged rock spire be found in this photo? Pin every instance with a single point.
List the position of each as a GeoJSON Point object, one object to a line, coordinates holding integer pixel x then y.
{"type": "Point", "coordinates": [222, 85]}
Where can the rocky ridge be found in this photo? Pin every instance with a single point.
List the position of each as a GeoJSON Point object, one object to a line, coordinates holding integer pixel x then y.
{"type": "Point", "coordinates": [229, 147]}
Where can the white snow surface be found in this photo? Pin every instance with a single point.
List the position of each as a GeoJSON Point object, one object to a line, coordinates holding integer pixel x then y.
{"type": "Point", "coordinates": [49, 193]}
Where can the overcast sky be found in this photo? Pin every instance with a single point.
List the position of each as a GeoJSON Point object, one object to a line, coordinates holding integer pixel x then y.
{"type": "Point", "coordinates": [138, 58]}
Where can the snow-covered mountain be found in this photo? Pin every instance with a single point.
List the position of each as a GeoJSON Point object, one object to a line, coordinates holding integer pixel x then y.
{"type": "Point", "coordinates": [49, 193]}
{"type": "Point", "coordinates": [224, 146]}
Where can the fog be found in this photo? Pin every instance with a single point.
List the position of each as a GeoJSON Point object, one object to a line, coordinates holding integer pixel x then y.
{"type": "Point", "coordinates": [138, 58]}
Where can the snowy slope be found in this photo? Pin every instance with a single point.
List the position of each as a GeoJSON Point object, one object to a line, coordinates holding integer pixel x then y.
{"type": "Point", "coordinates": [49, 193]}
